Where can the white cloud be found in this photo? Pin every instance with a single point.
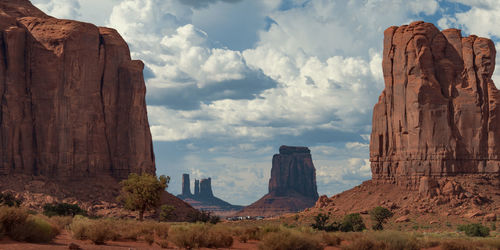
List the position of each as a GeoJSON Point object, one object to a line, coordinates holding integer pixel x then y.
{"type": "Point", "coordinates": [65, 9]}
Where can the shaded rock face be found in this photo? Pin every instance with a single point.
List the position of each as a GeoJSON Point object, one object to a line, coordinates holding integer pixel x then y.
{"type": "Point", "coordinates": [292, 186]}
{"type": "Point", "coordinates": [73, 100]}
{"type": "Point", "coordinates": [186, 188]}
{"type": "Point", "coordinates": [206, 188]}
{"type": "Point", "coordinates": [439, 113]}
{"type": "Point", "coordinates": [293, 171]}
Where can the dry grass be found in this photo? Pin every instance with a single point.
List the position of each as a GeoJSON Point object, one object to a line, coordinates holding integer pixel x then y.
{"type": "Point", "coordinates": [200, 235]}
{"type": "Point", "coordinates": [20, 226]}
{"type": "Point", "coordinates": [289, 240]}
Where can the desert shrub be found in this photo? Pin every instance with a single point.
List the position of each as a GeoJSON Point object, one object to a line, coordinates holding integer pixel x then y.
{"type": "Point", "coordinates": [331, 239]}
{"type": "Point", "coordinates": [247, 233]}
{"type": "Point", "coordinates": [218, 238]}
{"type": "Point", "coordinates": [396, 240]}
{"type": "Point", "coordinates": [288, 240]}
{"type": "Point", "coordinates": [320, 223]}
{"type": "Point", "coordinates": [203, 216]}
{"type": "Point", "coordinates": [458, 244]}
{"type": "Point", "coordinates": [79, 227]}
{"type": "Point", "coordinates": [149, 238]}
{"type": "Point", "coordinates": [352, 223]}
{"type": "Point", "coordinates": [364, 243]}
{"type": "Point", "coordinates": [379, 216]}
{"type": "Point", "coordinates": [474, 229]}
{"type": "Point", "coordinates": [12, 216]}
{"type": "Point", "coordinates": [189, 237]}
{"type": "Point", "coordinates": [166, 212]}
{"type": "Point", "coordinates": [8, 199]}
{"type": "Point", "coordinates": [493, 243]}
{"type": "Point", "coordinates": [161, 230]}
{"type": "Point", "coordinates": [98, 231]}
{"type": "Point", "coordinates": [63, 209]}
{"type": "Point", "coordinates": [61, 222]}
{"type": "Point", "coordinates": [34, 229]}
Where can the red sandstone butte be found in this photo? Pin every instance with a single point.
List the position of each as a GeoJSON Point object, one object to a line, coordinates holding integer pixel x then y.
{"type": "Point", "coordinates": [292, 186]}
{"type": "Point", "coordinates": [73, 101]}
{"type": "Point", "coordinates": [439, 113]}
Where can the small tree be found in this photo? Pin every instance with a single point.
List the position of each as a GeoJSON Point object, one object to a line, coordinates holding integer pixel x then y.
{"type": "Point", "coordinates": [379, 216]}
{"type": "Point", "coordinates": [166, 212]}
{"type": "Point", "coordinates": [142, 192]}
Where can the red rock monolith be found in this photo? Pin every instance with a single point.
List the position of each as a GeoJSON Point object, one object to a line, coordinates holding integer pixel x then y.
{"type": "Point", "coordinates": [439, 113]}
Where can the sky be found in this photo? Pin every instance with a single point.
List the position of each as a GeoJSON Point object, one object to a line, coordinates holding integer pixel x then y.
{"type": "Point", "coordinates": [229, 81]}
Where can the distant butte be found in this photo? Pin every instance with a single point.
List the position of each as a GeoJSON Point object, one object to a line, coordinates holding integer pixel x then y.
{"type": "Point", "coordinates": [203, 197]}
{"type": "Point", "coordinates": [435, 142]}
{"type": "Point", "coordinates": [292, 186]}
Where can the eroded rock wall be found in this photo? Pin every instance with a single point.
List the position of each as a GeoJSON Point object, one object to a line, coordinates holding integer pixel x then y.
{"type": "Point", "coordinates": [439, 112]}
{"type": "Point", "coordinates": [73, 101]}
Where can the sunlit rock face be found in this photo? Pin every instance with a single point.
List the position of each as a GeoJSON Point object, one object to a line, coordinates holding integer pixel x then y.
{"type": "Point", "coordinates": [73, 101]}
{"type": "Point", "coordinates": [439, 113]}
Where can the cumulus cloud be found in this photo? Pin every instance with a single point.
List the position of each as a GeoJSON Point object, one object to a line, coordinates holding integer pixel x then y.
{"type": "Point", "coordinates": [66, 9]}
{"type": "Point", "coordinates": [205, 3]}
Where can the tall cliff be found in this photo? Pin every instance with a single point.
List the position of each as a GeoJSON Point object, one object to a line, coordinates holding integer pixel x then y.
{"type": "Point", "coordinates": [292, 186]}
{"type": "Point", "coordinates": [439, 114]}
{"type": "Point", "coordinates": [73, 101]}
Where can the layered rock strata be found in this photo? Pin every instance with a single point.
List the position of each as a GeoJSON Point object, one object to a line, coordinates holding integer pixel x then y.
{"type": "Point", "coordinates": [73, 101]}
{"type": "Point", "coordinates": [292, 186]}
{"type": "Point", "coordinates": [439, 114]}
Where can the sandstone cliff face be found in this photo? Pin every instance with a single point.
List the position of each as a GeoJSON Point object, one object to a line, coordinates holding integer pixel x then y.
{"type": "Point", "coordinates": [293, 171]}
{"type": "Point", "coordinates": [439, 113]}
{"type": "Point", "coordinates": [73, 101]}
{"type": "Point", "coordinates": [292, 186]}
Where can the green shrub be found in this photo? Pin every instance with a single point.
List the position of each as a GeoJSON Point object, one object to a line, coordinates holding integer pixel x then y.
{"type": "Point", "coordinates": [63, 209]}
{"type": "Point", "coordinates": [8, 199]}
{"type": "Point", "coordinates": [320, 223]}
{"type": "Point", "coordinates": [203, 216]}
{"type": "Point", "coordinates": [79, 227]}
{"type": "Point", "coordinates": [379, 216]}
{"type": "Point", "coordinates": [34, 229]}
{"type": "Point", "coordinates": [474, 230]}
{"type": "Point", "coordinates": [287, 240]}
{"type": "Point", "coordinates": [166, 212]}
{"type": "Point", "coordinates": [352, 223]}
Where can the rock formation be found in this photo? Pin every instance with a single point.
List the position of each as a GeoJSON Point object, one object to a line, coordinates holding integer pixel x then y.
{"type": "Point", "coordinates": [73, 118]}
{"type": "Point", "coordinates": [186, 188]}
{"type": "Point", "coordinates": [73, 100]}
{"type": "Point", "coordinates": [203, 198]}
{"type": "Point", "coordinates": [439, 113]}
{"type": "Point", "coordinates": [435, 142]}
{"type": "Point", "coordinates": [292, 186]}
